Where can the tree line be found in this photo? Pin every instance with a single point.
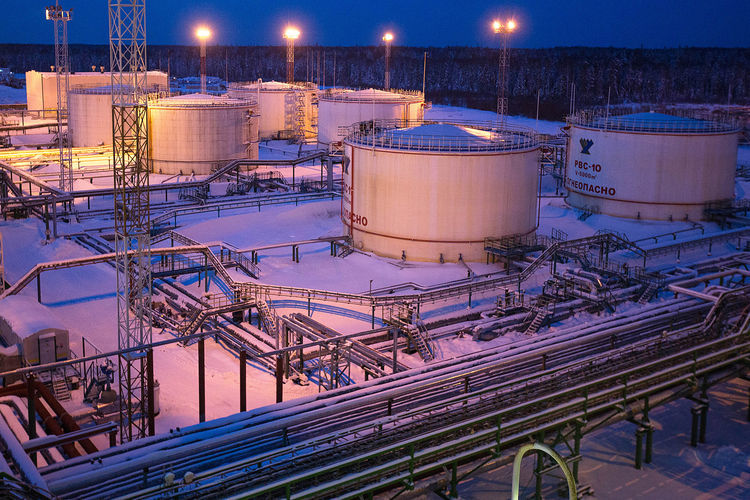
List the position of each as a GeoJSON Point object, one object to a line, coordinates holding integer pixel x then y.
{"type": "Point", "coordinates": [462, 76]}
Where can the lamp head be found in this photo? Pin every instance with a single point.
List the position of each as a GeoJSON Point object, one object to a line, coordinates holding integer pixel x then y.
{"type": "Point", "coordinates": [203, 33]}
{"type": "Point", "coordinates": [291, 32]}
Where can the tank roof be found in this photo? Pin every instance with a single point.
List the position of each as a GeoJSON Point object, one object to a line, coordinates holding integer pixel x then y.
{"type": "Point", "coordinates": [650, 122]}
{"type": "Point", "coordinates": [104, 89]}
{"type": "Point", "coordinates": [271, 86]}
{"type": "Point", "coordinates": [440, 137]}
{"type": "Point", "coordinates": [376, 95]}
{"type": "Point", "coordinates": [198, 100]}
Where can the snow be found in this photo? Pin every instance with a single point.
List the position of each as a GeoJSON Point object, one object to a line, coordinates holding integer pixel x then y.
{"type": "Point", "coordinates": [26, 316]}
{"type": "Point", "coordinates": [440, 112]}
{"type": "Point", "coordinates": [198, 100]}
{"type": "Point", "coordinates": [10, 95]}
{"type": "Point", "coordinates": [375, 95]}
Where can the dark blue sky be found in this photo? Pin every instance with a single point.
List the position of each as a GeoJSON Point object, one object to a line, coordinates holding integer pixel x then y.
{"type": "Point", "coordinates": [543, 23]}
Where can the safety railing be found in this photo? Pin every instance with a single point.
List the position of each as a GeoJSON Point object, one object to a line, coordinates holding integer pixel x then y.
{"type": "Point", "coordinates": [627, 122]}
{"type": "Point", "coordinates": [391, 134]}
{"type": "Point", "coordinates": [399, 95]}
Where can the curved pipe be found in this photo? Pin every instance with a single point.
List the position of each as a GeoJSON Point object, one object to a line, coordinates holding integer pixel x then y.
{"type": "Point", "coordinates": [572, 492]}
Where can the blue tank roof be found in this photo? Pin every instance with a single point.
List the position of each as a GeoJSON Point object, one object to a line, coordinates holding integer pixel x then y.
{"type": "Point", "coordinates": [657, 123]}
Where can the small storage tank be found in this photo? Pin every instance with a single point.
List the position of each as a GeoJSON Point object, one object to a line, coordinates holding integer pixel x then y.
{"type": "Point", "coordinates": [90, 116]}
{"type": "Point", "coordinates": [198, 133]}
{"type": "Point", "coordinates": [434, 192]}
{"type": "Point", "coordinates": [649, 165]}
{"type": "Point", "coordinates": [286, 110]}
{"type": "Point", "coordinates": [339, 110]}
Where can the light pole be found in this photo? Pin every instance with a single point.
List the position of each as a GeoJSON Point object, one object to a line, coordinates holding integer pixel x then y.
{"type": "Point", "coordinates": [203, 34]}
{"type": "Point", "coordinates": [291, 34]}
{"type": "Point", "coordinates": [387, 38]}
{"type": "Point", "coordinates": [504, 30]}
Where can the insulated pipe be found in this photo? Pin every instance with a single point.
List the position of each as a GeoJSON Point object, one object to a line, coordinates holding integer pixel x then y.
{"type": "Point", "coordinates": [68, 422]}
{"type": "Point", "coordinates": [48, 420]}
{"type": "Point", "coordinates": [20, 409]}
{"type": "Point", "coordinates": [26, 467]}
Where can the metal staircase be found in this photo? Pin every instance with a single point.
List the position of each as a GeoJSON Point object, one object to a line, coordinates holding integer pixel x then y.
{"type": "Point", "coordinates": [539, 314]}
{"type": "Point", "coordinates": [267, 316]}
{"type": "Point", "coordinates": [403, 317]}
{"type": "Point", "coordinates": [60, 386]}
{"type": "Point", "coordinates": [290, 112]}
{"type": "Point", "coordinates": [314, 111]}
{"type": "Point", "coordinates": [648, 292]}
{"type": "Point", "coordinates": [299, 116]}
{"type": "Point", "coordinates": [421, 338]}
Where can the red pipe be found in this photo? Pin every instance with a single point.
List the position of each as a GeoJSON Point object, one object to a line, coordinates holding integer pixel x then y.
{"type": "Point", "coordinates": [48, 421]}
{"type": "Point", "coordinates": [68, 423]}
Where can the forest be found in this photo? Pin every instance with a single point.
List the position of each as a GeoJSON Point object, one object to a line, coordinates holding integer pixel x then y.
{"type": "Point", "coordinates": [462, 76]}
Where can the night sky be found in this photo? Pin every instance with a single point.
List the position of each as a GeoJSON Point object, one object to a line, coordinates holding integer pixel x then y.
{"type": "Point", "coordinates": [542, 23]}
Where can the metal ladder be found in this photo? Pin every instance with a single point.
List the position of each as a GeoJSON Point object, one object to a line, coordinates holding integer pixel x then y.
{"type": "Point", "coordinates": [60, 386]}
{"type": "Point", "coordinates": [536, 323]}
{"type": "Point", "coordinates": [421, 338]}
{"type": "Point", "coordinates": [648, 293]}
{"type": "Point", "coordinates": [267, 316]}
{"type": "Point", "coordinates": [299, 115]}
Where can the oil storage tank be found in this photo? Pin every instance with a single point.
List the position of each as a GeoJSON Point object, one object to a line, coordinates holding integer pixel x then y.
{"type": "Point", "coordinates": [41, 87]}
{"type": "Point", "coordinates": [649, 165]}
{"type": "Point", "coordinates": [339, 110]}
{"type": "Point", "coordinates": [286, 110]}
{"type": "Point", "coordinates": [198, 133]}
{"type": "Point", "coordinates": [435, 191]}
{"type": "Point", "coordinates": [90, 116]}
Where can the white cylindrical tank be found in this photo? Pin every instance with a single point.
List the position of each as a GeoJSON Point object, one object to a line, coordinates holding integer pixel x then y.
{"type": "Point", "coordinates": [198, 133]}
{"type": "Point", "coordinates": [41, 87]}
{"type": "Point", "coordinates": [435, 191]}
{"type": "Point", "coordinates": [339, 110]}
{"type": "Point", "coordinates": [285, 109]}
{"type": "Point", "coordinates": [90, 116]}
{"type": "Point", "coordinates": [649, 165]}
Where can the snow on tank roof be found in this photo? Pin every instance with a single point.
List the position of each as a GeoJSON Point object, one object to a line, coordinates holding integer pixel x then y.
{"type": "Point", "coordinates": [105, 89]}
{"type": "Point", "coordinates": [651, 122]}
{"type": "Point", "coordinates": [26, 316]}
{"type": "Point", "coordinates": [371, 94]}
{"type": "Point", "coordinates": [198, 100]}
{"type": "Point", "coordinates": [446, 130]}
{"type": "Point", "coordinates": [271, 86]}
{"type": "Point", "coordinates": [441, 137]}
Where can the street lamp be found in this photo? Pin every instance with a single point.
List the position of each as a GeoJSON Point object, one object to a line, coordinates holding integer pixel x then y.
{"type": "Point", "coordinates": [503, 29]}
{"type": "Point", "coordinates": [203, 34]}
{"type": "Point", "coordinates": [387, 38]}
{"type": "Point", "coordinates": [291, 34]}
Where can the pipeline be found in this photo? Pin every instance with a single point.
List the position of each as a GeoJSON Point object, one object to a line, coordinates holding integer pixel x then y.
{"type": "Point", "coordinates": [68, 423]}
{"type": "Point", "coordinates": [25, 466]}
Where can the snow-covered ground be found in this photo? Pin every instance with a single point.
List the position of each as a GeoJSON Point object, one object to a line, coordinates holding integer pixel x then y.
{"type": "Point", "coordinates": [10, 95]}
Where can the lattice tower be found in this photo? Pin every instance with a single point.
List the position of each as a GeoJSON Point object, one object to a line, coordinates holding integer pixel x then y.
{"type": "Point", "coordinates": [127, 57]}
